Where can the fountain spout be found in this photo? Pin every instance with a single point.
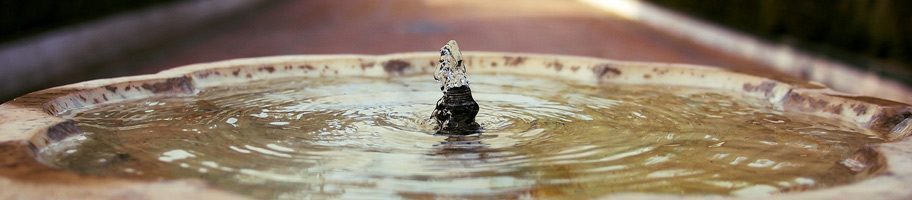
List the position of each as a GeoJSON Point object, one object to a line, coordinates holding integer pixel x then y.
{"type": "Point", "coordinates": [456, 110]}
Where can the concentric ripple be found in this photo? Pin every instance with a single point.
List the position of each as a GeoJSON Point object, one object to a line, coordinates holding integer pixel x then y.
{"type": "Point", "coordinates": [368, 138]}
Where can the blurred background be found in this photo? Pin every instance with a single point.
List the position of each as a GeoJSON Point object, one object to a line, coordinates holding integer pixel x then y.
{"type": "Point", "coordinates": [854, 46]}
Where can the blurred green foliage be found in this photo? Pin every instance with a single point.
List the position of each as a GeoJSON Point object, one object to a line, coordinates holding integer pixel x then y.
{"type": "Point", "coordinates": [22, 18]}
{"type": "Point", "coordinates": [877, 28]}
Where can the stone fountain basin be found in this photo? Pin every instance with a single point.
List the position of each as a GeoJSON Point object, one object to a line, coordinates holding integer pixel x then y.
{"type": "Point", "coordinates": [29, 123]}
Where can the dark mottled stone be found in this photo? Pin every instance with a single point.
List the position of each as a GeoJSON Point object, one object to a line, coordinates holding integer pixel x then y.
{"type": "Point", "coordinates": [558, 66]}
{"type": "Point", "coordinates": [837, 109]}
{"type": "Point", "coordinates": [513, 61]}
{"type": "Point", "coordinates": [766, 87]}
{"type": "Point", "coordinates": [204, 74]}
{"type": "Point", "coordinates": [860, 110]}
{"type": "Point", "coordinates": [887, 118]}
{"type": "Point", "coordinates": [396, 67]}
{"type": "Point", "coordinates": [605, 70]}
{"type": "Point", "coordinates": [455, 112]}
{"type": "Point", "coordinates": [805, 103]}
{"type": "Point", "coordinates": [269, 69]}
{"type": "Point", "coordinates": [51, 109]}
{"type": "Point", "coordinates": [62, 130]}
{"type": "Point", "coordinates": [178, 85]}
{"type": "Point", "coordinates": [364, 65]}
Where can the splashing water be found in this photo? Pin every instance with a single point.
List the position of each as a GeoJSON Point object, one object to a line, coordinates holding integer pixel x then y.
{"type": "Point", "coordinates": [451, 72]}
{"type": "Point", "coordinates": [456, 110]}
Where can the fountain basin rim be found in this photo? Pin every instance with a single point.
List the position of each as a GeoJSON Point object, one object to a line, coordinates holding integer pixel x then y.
{"type": "Point", "coordinates": [28, 123]}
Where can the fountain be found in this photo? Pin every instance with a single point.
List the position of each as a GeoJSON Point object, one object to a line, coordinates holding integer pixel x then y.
{"type": "Point", "coordinates": [544, 126]}
{"type": "Point", "coordinates": [456, 110]}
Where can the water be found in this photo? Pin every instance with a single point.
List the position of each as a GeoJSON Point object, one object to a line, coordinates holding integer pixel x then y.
{"type": "Point", "coordinates": [451, 71]}
{"type": "Point", "coordinates": [456, 110]}
{"type": "Point", "coordinates": [369, 138]}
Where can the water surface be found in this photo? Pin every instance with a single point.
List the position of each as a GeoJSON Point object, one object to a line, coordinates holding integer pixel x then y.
{"type": "Point", "coordinates": [370, 138]}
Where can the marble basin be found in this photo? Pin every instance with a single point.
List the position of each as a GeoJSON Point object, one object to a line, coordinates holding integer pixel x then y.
{"type": "Point", "coordinates": [30, 123]}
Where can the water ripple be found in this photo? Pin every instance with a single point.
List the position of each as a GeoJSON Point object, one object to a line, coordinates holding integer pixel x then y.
{"type": "Point", "coordinates": [370, 137]}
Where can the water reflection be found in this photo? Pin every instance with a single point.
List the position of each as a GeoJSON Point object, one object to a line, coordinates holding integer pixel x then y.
{"type": "Point", "coordinates": [458, 148]}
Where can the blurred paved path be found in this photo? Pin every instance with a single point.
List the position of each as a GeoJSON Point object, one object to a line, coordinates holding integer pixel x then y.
{"type": "Point", "coordinates": [380, 27]}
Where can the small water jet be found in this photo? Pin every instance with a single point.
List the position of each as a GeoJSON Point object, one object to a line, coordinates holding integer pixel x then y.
{"type": "Point", "coordinates": [456, 110]}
